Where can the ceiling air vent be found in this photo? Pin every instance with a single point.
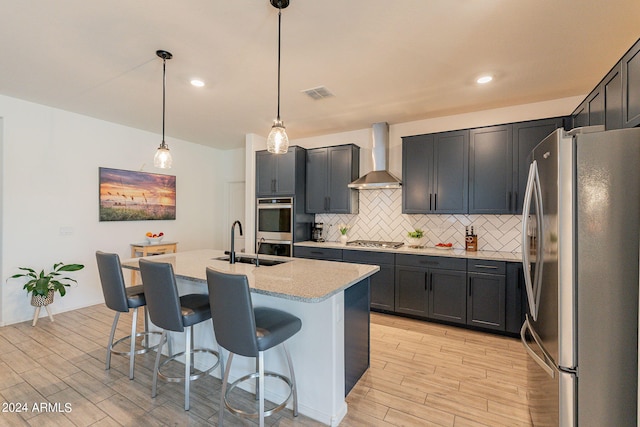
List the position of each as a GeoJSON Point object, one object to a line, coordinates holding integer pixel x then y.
{"type": "Point", "coordinates": [318, 93]}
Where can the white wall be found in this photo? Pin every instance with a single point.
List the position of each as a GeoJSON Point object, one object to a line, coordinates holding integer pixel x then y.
{"type": "Point", "coordinates": [50, 164]}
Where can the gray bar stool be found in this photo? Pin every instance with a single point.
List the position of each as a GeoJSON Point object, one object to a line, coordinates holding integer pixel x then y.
{"type": "Point", "coordinates": [242, 329]}
{"type": "Point", "coordinates": [172, 312]}
{"type": "Point", "coordinates": [121, 299]}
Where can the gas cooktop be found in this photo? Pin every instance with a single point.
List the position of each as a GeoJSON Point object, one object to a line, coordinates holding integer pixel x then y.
{"type": "Point", "coordinates": [375, 244]}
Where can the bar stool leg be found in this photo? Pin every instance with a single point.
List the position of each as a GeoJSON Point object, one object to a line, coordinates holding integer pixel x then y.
{"type": "Point", "coordinates": [132, 344]}
{"type": "Point", "coordinates": [146, 326]}
{"type": "Point", "coordinates": [257, 379]}
{"type": "Point", "coordinates": [223, 391]}
{"type": "Point", "coordinates": [187, 365]}
{"type": "Point", "coordinates": [261, 386]}
{"type": "Point", "coordinates": [154, 387]}
{"type": "Point", "coordinates": [293, 380]}
{"type": "Point", "coordinates": [110, 344]}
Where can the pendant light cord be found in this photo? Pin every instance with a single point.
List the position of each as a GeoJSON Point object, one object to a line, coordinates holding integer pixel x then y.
{"type": "Point", "coordinates": [279, 31]}
{"type": "Point", "coordinates": [164, 89]}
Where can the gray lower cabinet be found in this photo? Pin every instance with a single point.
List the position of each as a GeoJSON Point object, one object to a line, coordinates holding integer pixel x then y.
{"type": "Point", "coordinates": [430, 287]}
{"type": "Point", "coordinates": [447, 299]}
{"type": "Point", "coordinates": [516, 298]}
{"type": "Point", "coordinates": [486, 299]}
{"type": "Point", "coordinates": [328, 254]}
{"type": "Point", "coordinates": [383, 282]}
{"type": "Point", "coordinates": [485, 294]}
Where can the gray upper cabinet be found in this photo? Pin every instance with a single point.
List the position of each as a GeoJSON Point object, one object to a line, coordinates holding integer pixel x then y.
{"type": "Point", "coordinates": [434, 171]}
{"type": "Point", "coordinates": [329, 171]}
{"type": "Point", "coordinates": [490, 170]}
{"type": "Point", "coordinates": [611, 87]}
{"type": "Point", "coordinates": [615, 102]}
{"type": "Point", "coordinates": [526, 135]}
{"type": "Point", "coordinates": [276, 173]}
{"type": "Point", "coordinates": [630, 65]}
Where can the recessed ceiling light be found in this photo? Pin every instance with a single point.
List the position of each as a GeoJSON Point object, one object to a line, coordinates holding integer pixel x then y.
{"type": "Point", "coordinates": [484, 79]}
{"type": "Point", "coordinates": [197, 83]}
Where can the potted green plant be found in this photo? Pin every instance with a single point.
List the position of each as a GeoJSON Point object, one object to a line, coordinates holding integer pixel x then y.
{"type": "Point", "coordinates": [343, 233]}
{"type": "Point", "coordinates": [415, 238]}
{"type": "Point", "coordinates": [42, 286]}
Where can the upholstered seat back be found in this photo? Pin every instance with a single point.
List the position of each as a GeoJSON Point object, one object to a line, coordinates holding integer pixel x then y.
{"type": "Point", "coordinates": [161, 293]}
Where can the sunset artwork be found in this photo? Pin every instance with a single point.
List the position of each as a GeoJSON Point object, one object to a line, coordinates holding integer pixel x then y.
{"type": "Point", "coordinates": [136, 196]}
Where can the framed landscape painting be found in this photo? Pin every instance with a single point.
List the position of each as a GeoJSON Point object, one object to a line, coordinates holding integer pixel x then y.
{"type": "Point", "coordinates": [136, 196]}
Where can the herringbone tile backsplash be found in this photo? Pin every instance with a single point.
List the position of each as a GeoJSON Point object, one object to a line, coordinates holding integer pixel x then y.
{"type": "Point", "coordinates": [381, 218]}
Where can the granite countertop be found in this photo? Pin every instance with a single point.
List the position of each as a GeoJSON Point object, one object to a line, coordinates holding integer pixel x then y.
{"type": "Point", "coordinates": [297, 279]}
{"type": "Point", "coordinates": [454, 253]}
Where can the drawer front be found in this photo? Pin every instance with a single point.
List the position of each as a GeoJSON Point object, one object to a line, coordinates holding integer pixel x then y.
{"type": "Point", "coordinates": [329, 254]}
{"type": "Point", "coordinates": [486, 266]}
{"type": "Point", "coordinates": [369, 257]}
{"type": "Point", "coordinates": [431, 262]}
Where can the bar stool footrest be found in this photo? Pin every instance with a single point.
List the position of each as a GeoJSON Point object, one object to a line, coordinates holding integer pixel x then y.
{"type": "Point", "coordinates": [191, 377]}
{"type": "Point", "coordinates": [256, 414]}
{"type": "Point", "coordinates": [143, 350]}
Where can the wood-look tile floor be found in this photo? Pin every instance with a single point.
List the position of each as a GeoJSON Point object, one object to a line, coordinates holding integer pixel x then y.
{"type": "Point", "coordinates": [421, 374]}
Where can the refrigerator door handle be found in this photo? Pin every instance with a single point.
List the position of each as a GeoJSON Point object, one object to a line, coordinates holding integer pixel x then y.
{"type": "Point", "coordinates": [526, 262]}
{"type": "Point", "coordinates": [539, 360]}
{"type": "Point", "coordinates": [540, 230]}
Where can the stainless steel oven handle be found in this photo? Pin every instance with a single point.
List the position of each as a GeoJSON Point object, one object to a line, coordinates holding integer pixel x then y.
{"type": "Point", "coordinates": [541, 362]}
{"type": "Point", "coordinates": [277, 242]}
{"type": "Point", "coordinates": [275, 206]}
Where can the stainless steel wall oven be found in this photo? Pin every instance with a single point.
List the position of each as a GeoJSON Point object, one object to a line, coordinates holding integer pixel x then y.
{"type": "Point", "coordinates": [274, 226]}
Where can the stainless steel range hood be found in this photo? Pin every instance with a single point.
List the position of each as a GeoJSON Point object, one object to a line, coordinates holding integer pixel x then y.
{"type": "Point", "coordinates": [379, 177]}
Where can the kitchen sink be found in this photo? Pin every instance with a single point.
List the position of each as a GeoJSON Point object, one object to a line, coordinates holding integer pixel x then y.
{"type": "Point", "coordinates": [252, 260]}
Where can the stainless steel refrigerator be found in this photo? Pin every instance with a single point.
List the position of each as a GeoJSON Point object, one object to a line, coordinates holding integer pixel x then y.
{"type": "Point", "coordinates": [581, 228]}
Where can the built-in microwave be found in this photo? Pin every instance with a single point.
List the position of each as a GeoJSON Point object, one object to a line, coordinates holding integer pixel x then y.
{"type": "Point", "coordinates": [274, 224]}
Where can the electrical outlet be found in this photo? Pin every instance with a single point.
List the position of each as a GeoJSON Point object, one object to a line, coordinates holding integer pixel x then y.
{"type": "Point", "coordinates": [66, 231]}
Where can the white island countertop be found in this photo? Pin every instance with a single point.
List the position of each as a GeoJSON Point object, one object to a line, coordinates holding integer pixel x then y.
{"type": "Point", "coordinates": [430, 251]}
{"type": "Point", "coordinates": [297, 279]}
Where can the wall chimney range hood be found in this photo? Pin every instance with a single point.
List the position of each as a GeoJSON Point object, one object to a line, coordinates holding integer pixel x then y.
{"type": "Point", "coordinates": [379, 177]}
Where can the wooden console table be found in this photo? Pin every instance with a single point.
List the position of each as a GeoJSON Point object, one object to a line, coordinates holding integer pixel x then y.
{"type": "Point", "coordinates": [144, 249]}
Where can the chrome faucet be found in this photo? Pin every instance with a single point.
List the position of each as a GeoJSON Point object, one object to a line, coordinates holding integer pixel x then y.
{"type": "Point", "coordinates": [258, 251]}
{"type": "Point", "coordinates": [232, 252]}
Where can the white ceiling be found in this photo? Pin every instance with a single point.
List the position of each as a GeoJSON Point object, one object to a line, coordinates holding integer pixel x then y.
{"type": "Point", "coordinates": [393, 61]}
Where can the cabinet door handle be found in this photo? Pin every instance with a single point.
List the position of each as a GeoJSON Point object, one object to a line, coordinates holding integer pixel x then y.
{"type": "Point", "coordinates": [435, 202]}
{"type": "Point", "coordinates": [515, 201]}
{"type": "Point", "coordinates": [316, 252]}
{"type": "Point", "coordinates": [491, 267]}
{"type": "Point", "coordinates": [430, 201]}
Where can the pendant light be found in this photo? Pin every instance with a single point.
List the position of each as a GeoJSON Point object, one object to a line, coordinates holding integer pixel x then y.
{"type": "Point", "coordinates": [162, 159]}
{"type": "Point", "coordinates": [278, 141]}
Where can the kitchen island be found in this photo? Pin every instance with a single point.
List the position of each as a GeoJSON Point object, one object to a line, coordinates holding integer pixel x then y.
{"type": "Point", "coordinates": [332, 349]}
